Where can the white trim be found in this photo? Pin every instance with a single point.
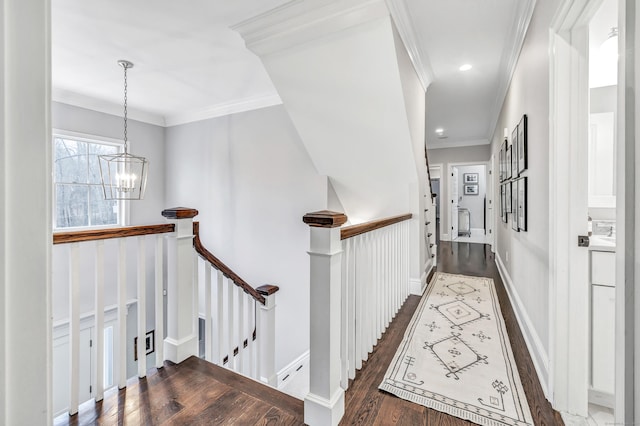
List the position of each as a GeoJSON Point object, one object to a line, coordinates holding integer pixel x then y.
{"type": "Point", "coordinates": [509, 60]}
{"type": "Point", "coordinates": [415, 286]}
{"type": "Point", "coordinates": [100, 105]}
{"type": "Point", "coordinates": [456, 144]}
{"type": "Point", "coordinates": [300, 21]}
{"type": "Point", "coordinates": [536, 349]}
{"type": "Point", "coordinates": [291, 370]}
{"type": "Point", "coordinates": [445, 236]}
{"type": "Point", "coordinates": [61, 327]}
{"type": "Point", "coordinates": [220, 110]}
{"type": "Point", "coordinates": [404, 24]}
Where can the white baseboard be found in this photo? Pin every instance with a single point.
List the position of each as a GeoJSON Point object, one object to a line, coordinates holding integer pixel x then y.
{"type": "Point", "coordinates": [445, 237]}
{"type": "Point", "coordinates": [534, 344]}
{"type": "Point", "coordinates": [601, 398]}
{"type": "Point", "coordinates": [287, 373]}
{"type": "Point", "coordinates": [415, 286]}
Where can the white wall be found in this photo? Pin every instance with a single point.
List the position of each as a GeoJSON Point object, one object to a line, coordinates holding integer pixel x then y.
{"type": "Point", "coordinates": [525, 254]}
{"type": "Point", "coordinates": [252, 180]}
{"type": "Point", "coordinates": [445, 156]}
{"type": "Point", "coordinates": [475, 203]}
{"type": "Point", "coordinates": [414, 97]}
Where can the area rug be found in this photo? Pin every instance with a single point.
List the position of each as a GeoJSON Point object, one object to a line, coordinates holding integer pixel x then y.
{"type": "Point", "coordinates": [455, 356]}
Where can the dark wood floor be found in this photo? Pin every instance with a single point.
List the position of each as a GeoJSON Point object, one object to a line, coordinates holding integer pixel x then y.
{"type": "Point", "coordinates": [366, 405]}
{"type": "Point", "coordinates": [194, 392]}
{"type": "Point", "coordinates": [198, 393]}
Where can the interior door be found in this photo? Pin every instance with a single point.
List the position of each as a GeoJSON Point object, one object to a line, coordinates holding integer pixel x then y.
{"type": "Point", "coordinates": [453, 190]}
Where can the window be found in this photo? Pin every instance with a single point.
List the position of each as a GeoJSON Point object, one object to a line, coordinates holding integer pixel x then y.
{"type": "Point", "coordinates": [77, 193]}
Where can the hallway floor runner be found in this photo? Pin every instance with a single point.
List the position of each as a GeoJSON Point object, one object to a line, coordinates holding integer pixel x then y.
{"type": "Point", "coordinates": [455, 356]}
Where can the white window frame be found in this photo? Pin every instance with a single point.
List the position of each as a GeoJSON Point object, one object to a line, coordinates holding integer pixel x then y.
{"type": "Point", "coordinates": [123, 205]}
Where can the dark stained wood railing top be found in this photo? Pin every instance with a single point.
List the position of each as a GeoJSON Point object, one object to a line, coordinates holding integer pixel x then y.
{"type": "Point", "coordinates": [258, 294]}
{"type": "Point", "coordinates": [107, 233]}
{"type": "Point", "coordinates": [324, 219]}
{"type": "Point", "coordinates": [353, 230]}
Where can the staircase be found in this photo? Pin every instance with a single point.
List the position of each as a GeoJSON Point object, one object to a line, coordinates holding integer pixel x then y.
{"type": "Point", "coordinates": [192, 392]}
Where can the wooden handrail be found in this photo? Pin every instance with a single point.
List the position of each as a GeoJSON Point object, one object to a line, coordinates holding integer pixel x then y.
{"type": "Point", "coordinates": [257, 294]}
{"type": "Point", "coordinates": [105, 234]}
{"type": "Point", "coordinates": [353, 230]}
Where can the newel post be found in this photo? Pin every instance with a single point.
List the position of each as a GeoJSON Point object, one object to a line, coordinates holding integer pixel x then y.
{"type": "Point", "coordinates": [324, 405]}
{"type": "Point", "coordinates": [266, 330]}
{"type": "Point", "coordinates": [182, 339]}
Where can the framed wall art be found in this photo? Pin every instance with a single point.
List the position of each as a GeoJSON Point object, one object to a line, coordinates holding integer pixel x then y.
{"type": "Point", "coordinates": [522, 145]}
{"type": "Point", "coordinates": [470, 178]}
{"type": "Point", "coordinates": [507, 196]}
{"type": "Point", "coordinates": [514, 153]}
{"type": "Point", "coordinates": [508, 163]}
{"type": "Point", "coordinates": [471, 190]}
{"type": "Point", "coordinates": [522, 204]}
{"type": "Point", "coordinates": [503, 203]}
{"type": "Point", "coordinates": [514, 205]}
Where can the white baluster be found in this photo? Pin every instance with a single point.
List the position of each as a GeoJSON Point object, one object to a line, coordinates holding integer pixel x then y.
{"type": "Point", "coordinates": [360, 301]}
{"type": "Point", "coordinates": [344, 324]}
{"type": "Point", "coordinates": [99, 309]}
{"type": "Point", "coordinates": [74, 326]}
{"type": "Point", "coordinates": [231, 324]}
{"type": "Point", "coordinates": [241, 331]}
{"type": "Point", "coordinates": [351, 309]}
{"type": "Point", "coordinates": [142, 308]}
{"type": "Point", "coordinates": [220, 319]}
{"type": "Point", "coordinates": [207, 313]}
{"type": "Point", "coordinates": [122, 313]}
{"type": "Point", "coordinates": [159, 305]}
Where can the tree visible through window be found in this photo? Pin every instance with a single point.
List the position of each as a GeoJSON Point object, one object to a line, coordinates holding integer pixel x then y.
{"type": "Point", "coordinates": [79, 200]}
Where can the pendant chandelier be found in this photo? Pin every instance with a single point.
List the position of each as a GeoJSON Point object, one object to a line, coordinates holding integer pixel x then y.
{"type": "Point", "coordinates": [124, 175]}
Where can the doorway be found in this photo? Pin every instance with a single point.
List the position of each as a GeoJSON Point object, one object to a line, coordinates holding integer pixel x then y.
{"type": "Point", "coordinates": [584, 46]}
{"type": "Point", "coordinates": [469, 203]}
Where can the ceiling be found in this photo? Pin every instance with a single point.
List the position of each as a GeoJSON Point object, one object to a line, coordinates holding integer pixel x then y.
{"type": "Point", "coordinates": [190, 65]}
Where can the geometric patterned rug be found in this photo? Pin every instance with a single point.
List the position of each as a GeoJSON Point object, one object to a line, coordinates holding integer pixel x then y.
{"type": "Point", "coordinates": [455, 356]}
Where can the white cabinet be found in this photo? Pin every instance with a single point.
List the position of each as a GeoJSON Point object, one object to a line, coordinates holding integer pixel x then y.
{"type": "Point", "coordinates": [602, 327]}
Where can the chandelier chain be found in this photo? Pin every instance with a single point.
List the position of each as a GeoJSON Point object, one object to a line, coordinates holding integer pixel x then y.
{"type": "Point", "coordinates": [125, 108]}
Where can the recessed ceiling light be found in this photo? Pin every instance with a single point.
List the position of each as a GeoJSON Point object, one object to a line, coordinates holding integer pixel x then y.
{"type": "Point", "coordinates": [465, 67]}
{"type": "Point", "coordinates": [439, 131]}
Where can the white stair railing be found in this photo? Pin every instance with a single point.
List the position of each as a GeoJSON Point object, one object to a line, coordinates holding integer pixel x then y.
{"type": "Point", "coordinates": [239, 320]}
{"type": "Point", "coordinates": [359, 281]}
{"type": "Point", "coordinates": [239, 331]}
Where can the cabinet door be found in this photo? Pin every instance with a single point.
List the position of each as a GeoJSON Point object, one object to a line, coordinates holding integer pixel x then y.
{"type": "Point", "coordinates": [603, 338]}
{"type": "Point", "coordinates": [603, 268]}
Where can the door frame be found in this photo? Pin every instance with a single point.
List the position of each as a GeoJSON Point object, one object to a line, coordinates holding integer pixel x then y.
{"type": "Point", "coordinates": [568, 265]}
{"type": "Point", "coordinates": [440, 168]}
{"type": "Point", "coordinates": [488, 191]}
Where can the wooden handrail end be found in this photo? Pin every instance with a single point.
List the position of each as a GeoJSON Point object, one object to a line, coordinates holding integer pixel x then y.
{"type": "Point", "coordinates": [325, 219]}
{"type": "Point", "coordinates": [267, 289]}
{"type": "Point", "coordinates": [179, 213]}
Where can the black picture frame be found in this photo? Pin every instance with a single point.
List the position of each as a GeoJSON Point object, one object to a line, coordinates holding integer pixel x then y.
{"type": "Point", "coordinates": [514, 153]}
{"type": "Point", "coordinates": [514, 205]}
{"type": "Point", "coordinates": [522, 204]}
{"type": "Point", "coordinates": [503, 205]}
{"type": "Point", "coordinates": [471, 190]}
{"type": "Point", "coordinates": [503, 161]}
{"type": "Point", "coordinates": [508, 163]}
{"type": "Point", "coordinates": [470, 178]}
{"type": "Point", "coordinates": [150, 344]}
{"type": "Point", "coordinates": [507, 197]}
{"type": "Point", "coordinates": [522, 145]}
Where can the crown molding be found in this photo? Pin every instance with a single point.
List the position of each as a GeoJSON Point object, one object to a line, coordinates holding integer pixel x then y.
{"type": "Point", "coordinates": [236, 106]}
{"type": "Point", "coordinates": [107, 107]}
{"type": "Point", "coordinates": [301, 21]}
{"type": "Point", "coordinates": [509, 59]}
{"type": "Point", "coordinates": [456, 144]}
{"type": "Point", "coordinates": [402, 18]}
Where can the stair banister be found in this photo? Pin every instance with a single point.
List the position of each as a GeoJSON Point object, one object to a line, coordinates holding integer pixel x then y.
{"type": "Point", "coordinates": [324, 405]}
{"type": "Point", "coordinates": [182, 338]}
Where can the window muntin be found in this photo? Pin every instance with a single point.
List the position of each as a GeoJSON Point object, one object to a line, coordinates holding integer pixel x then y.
{"type": "Point", "coordinates": [78, 195]}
